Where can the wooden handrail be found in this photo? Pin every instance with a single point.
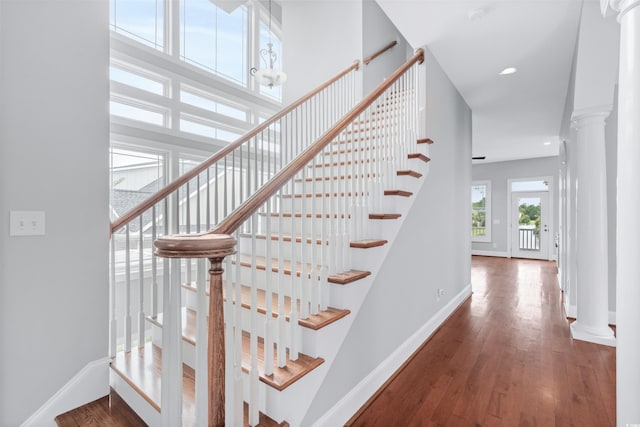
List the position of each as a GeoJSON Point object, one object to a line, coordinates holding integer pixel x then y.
{"type": "Point", "coordinates": [220, 154]}
{"type": "Point", "coordinates": [218, 243]}
{"type": "Point", "coordinates": [260, 197]}
{"type": "Point", "coordinates": [378, 53]}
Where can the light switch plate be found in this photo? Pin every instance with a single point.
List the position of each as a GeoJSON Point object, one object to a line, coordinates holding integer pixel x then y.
{"type": "Point", "coordinates": [26, 223]}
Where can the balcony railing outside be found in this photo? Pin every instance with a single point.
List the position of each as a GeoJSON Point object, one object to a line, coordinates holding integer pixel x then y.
{"type": "Point", "coordinates": [529, 239]}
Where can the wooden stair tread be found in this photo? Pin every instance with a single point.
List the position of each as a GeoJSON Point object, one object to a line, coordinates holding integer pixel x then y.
{"type": "Point", "coordinates": [261, 264]}
{"type": "Point", "coordinates": [349, 162]}
{"type": "Point", "coordinates": [342, 194]}
{"type": "Point", "coordinates": [314, 321]}
{"type": "Point", "coordinates": [281, 377]}
{"type": "Point", "coordinates": [351, 150]}
{"type": "Point", "coordinates": [318, 195]}
{"type": "Point", "coordinates": [110, 410]}
{"type": "Point", "coordinates": [370, 243]}
{"type": "Point", "coordinates": [409, 173]}
{"type": "Point", "coordinates": [384, 216]}
{"type": "Point", "coordinates": [348, 277]}
{"type": "Point", "coordinates": [419, 156]}
{"type": "Point", "coordinates": [402, 193]}
{"type": "Point", "coordinates": [363, 244]}
{"type": "Point", "coordinates": [343, 177]}
{"type": "Point", "coordinates": [342, 216]}
{"type": "Point", "coordinates": [141, 368]}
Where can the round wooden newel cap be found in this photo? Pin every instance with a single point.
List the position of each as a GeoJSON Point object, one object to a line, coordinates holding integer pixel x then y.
{"type": "Point", "coordinates": [195, 246]}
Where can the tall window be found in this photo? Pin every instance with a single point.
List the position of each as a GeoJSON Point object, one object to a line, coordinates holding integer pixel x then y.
{"type": "Point", "coordinates": [180, 84]}
{"type": "Point", "coordinates": [214, 39]}
{"type": "Point", "coordinates": [481, 211]}
{"type": "Point", "coordinates": [135, 175]}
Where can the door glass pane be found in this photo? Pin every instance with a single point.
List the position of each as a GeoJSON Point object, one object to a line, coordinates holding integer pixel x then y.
{"type": "Point", "coordinates": [529, 223]}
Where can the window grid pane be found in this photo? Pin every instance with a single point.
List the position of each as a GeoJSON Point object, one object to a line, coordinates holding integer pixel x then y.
{"type": "Point", "coordinates": [140, 20]}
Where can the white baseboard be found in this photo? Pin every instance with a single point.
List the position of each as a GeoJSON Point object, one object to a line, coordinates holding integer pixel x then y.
{"type": "Point", "coordinates": [500, 254]}
{"type": "Point", "coordinates": [91, 383]}
{"type": "Point", "coordinates": [572, 312]}
{"type": "Point", "coordinates": [348, 405]}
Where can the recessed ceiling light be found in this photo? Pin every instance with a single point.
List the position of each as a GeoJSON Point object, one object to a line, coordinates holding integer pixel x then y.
{"type": "Point", "coordinates": [508, 70]}
{"type": "Point", "coordinates": [547, 143]}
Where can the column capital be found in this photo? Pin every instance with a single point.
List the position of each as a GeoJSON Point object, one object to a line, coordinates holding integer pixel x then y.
{"type": "Point", "coordinates": [621, 7]}
{"type": "Point", "coordinates": [591, 115]}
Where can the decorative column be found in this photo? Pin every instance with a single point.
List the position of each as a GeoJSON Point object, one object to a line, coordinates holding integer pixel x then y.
{"type": "Point", "coordinates": [214, 247]}
{"type": "Point", "coordinates": [592, 319]}
{"type": "Point", "coordinates": [628, 236]}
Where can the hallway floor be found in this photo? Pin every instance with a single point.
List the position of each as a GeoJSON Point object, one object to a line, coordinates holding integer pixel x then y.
{"type": "Point", "coordinates": [504, 358]}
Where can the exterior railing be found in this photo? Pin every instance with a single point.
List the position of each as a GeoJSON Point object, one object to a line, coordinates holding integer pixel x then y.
{"type": "Point", "coordinates": [529, 239]}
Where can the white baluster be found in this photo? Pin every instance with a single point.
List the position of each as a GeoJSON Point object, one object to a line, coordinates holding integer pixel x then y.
{"type": "Point", "coordinates": [141, 315]}
{"type": "Point", "coordinates": [113, 323]}
{"type": "Point", "coordinates": [154, 264]}
{"type": "Point", "coordinates": [268, 335]}
{"type": "Point", "coordinates": [171, 400]}
{"type": "Point", "coordinates": [127, 291]}
{"type": "Point", "coordinates": [304, 278]}
{"type": "Point", "coordinates": [253, 375]}
{"type": "Point", "coordinates": [282, 324]}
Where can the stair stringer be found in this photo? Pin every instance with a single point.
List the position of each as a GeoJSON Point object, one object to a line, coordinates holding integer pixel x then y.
{"type": "Point", "coordinates": [293, 403]}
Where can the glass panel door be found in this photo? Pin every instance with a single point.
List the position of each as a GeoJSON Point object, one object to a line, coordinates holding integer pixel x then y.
{"type": "Point", "coordinates": [530, 229]}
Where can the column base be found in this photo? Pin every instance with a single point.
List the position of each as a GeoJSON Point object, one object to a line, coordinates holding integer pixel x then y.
{"type": "Point", "coordinates": [602, 336]}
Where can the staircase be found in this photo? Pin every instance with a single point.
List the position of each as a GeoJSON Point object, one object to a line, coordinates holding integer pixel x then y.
{"type": "Point", "coordinates": [300, 213]}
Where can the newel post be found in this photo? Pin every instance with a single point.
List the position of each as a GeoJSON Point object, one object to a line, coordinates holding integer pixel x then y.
{"type": "Point", "coordinates": [214, 247]}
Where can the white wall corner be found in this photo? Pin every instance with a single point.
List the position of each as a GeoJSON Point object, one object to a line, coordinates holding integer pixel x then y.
{"type": "Point", "coordinates": [89, 384]}
{"type": "Point", "coordinates": [612, 318]}
{"type": "Point", "coordinates": [348, 405]}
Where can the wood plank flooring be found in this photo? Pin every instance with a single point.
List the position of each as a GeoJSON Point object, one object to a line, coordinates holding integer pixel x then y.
{"type": "Point", "coordinates": [504, 358]}
{"type": "Point", "coordinates": [108, 411]}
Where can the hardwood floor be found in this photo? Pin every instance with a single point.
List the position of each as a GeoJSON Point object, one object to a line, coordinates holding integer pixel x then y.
{"type": "Point", "coordinates": [109, 411]}
{"type": "Point", "coordinates": [504, 358]}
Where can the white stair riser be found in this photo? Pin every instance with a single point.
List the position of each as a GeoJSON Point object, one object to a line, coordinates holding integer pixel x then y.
{"type": "Point", "coordinates": [288, 225]}
{"type": "Point", "coordinates": [284, 248]}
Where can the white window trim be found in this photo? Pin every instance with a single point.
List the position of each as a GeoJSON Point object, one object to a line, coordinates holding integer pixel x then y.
{"type": "Point", "coordinates": [488, 221]}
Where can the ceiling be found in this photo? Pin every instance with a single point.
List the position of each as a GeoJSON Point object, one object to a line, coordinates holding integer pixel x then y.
{"type": "Point", "coordinates": [513, 115]}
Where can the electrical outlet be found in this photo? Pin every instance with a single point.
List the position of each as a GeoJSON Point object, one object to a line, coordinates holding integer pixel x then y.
{"type": "Point", "coordinates": [26, 223]}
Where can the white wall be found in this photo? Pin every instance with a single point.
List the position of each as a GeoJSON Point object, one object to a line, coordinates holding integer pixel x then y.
{"type": "Point", "coordinates": [320, 39]}
{"type": "Point", "coordinates": [54, 133]}
{"type": "Point", "coordinates": [379, 31]}
{"type": "Point", "coordinates": [432, 250]}
{"type": "Point", "coordinates": [499, 173]}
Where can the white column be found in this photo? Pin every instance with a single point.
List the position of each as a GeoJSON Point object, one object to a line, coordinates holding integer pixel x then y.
{"type": "Point", "coordinates": [592, 255]}
{"type": "Point", "coordinates": [628, 238]}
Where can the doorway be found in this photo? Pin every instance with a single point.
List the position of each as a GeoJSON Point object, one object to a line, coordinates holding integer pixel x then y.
{"type": "Point", "coordinates": [530, 224]}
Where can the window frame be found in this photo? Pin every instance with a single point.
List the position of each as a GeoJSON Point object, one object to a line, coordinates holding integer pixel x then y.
{"type": "Point", "coordinates": [486, 238]}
